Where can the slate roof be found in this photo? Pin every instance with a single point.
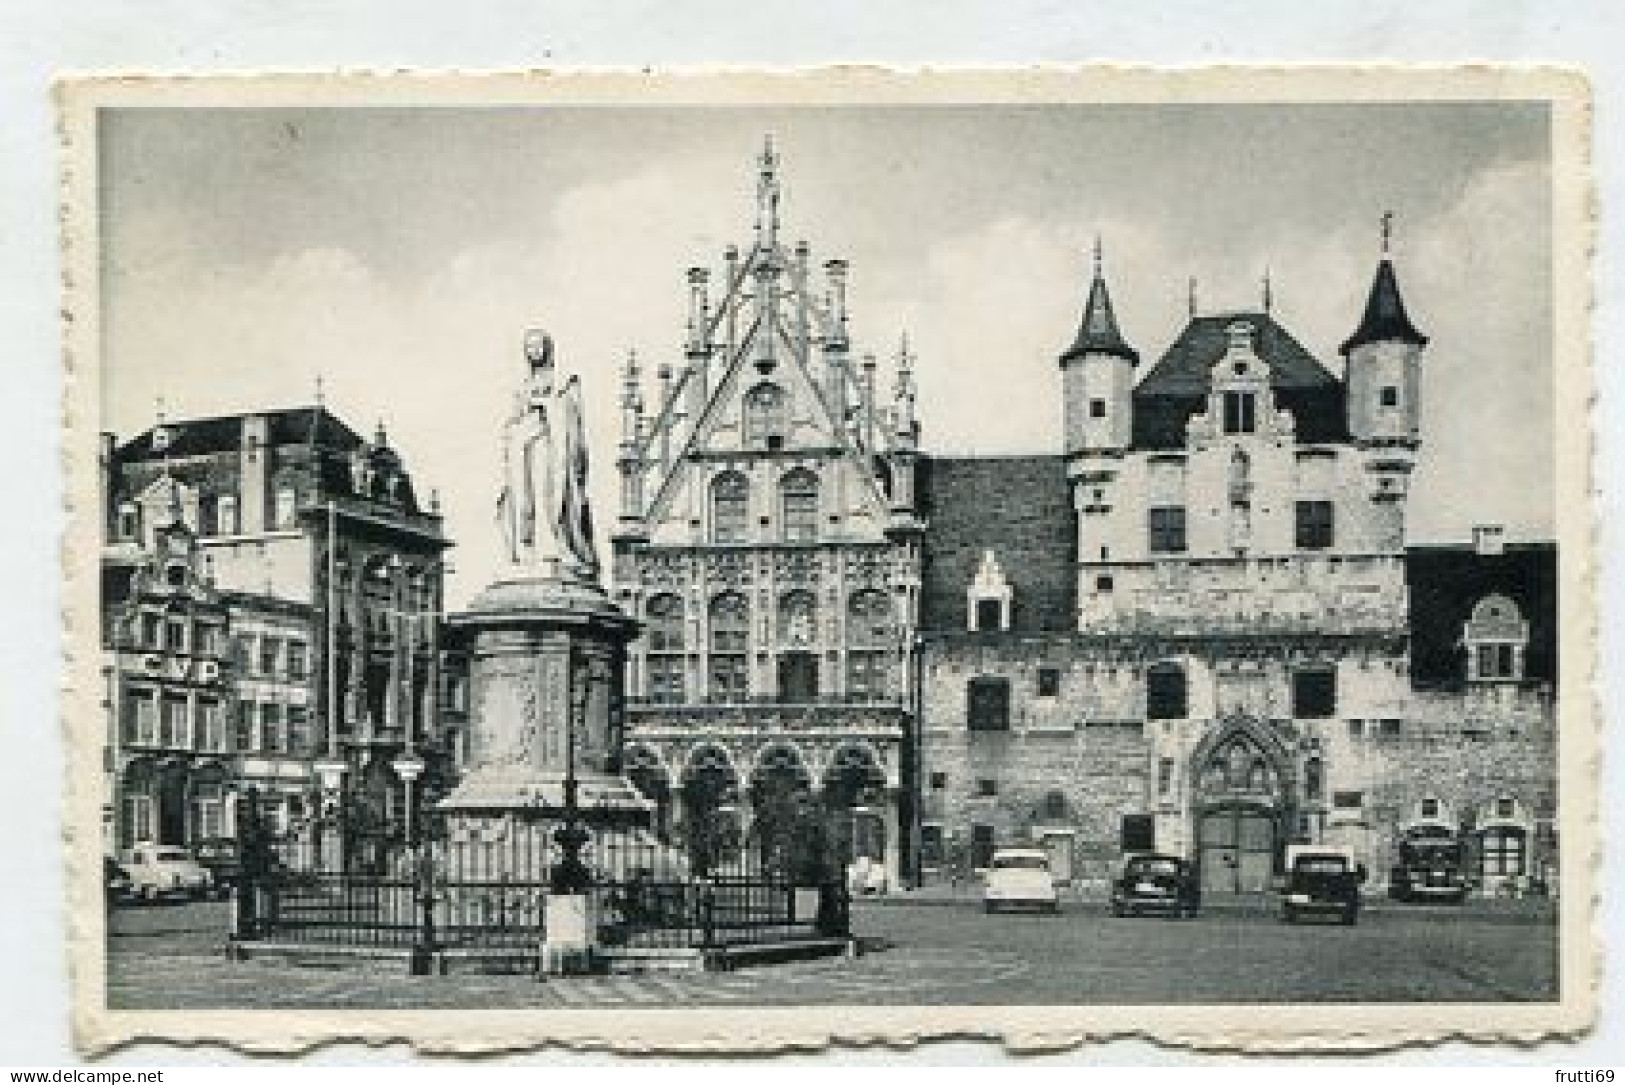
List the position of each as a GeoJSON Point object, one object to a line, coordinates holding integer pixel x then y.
{"type": "Point", "coordinates": [1019, 507]}
{"type": "Point", "coordinates": [1177, 386]}
{"type": "Point", "coordinates": [1385, 319]}
{"type": "Point", "coordinates": [1098, 332]}
{"type": "Point", "coordinates": [1446, 582]}
{"type": "Point", "coordinates": [202, 436]}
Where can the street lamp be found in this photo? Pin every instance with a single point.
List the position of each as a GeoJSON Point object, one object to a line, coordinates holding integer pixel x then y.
{"type": "Point", "coordinates": [409, 766]}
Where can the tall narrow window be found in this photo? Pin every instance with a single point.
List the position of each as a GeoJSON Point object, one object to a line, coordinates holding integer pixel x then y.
{"type": "Point", "coordinates": [730, 637]}
{"type": "Point", "coordinates": [870, 636]}
{"type": "Point", "coordinates": [766, 417]}
{"type": "Point", "coordinates": [798, 506]}
{"type": "Point", "coordinates": [1165, 694]}
{"type": "Point", "coordinates": [172, 723]}
{"type": "Point", "coordinates": [730, 501]}
{"type": "Point", "coordinates": [1314, 525]}
{"type": "Point", "coordinates": [987, 704]}
{"type": "Point", "coordinates": [1240, 412]}
{"type": "Point", "coordinates": [1167, 529]}
{"type": "Point", "coordinates": [225, 514]}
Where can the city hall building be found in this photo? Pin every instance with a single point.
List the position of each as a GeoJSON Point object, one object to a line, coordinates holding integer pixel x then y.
{"type": "Point", "coordinates": [1195, 628]}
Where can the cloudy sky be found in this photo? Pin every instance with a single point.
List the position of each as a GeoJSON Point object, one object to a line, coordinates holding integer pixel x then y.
{"type": "Point", "coordinates": [400, 254]}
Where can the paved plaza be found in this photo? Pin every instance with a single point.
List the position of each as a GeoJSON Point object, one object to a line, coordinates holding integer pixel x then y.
{"type": "Point", "coordinates": [926, 951]}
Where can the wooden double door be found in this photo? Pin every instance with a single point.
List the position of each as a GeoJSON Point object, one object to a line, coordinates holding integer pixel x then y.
{"type": "Point", "coordinates": [1237, 847]}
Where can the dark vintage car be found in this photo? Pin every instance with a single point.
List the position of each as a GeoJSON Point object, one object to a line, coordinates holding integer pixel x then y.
{"type": "Point", "coordinates": [115, 881]}
{"type": "Point", "coordinates": [1157, 883]}
{"type": "Point", "coordinates": [1322, 881]}
{"type": "Point", "coordinates": [1430, 868]}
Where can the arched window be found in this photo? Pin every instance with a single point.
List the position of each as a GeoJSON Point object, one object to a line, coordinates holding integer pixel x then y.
{"type": "Point", "coordinates": [798, 619]}
{"type": "Point", "coordinates": [870, 635]}
{"type": "Point", "coordinates": [730, 638]}
{"type": "Point", "coordinates": [1165, 693]}
{"type": "Point", "coordinates": [766, 417]}
{"type": "Point", "coordinates": [1496, 637]}
{"type": "Point", "coordinates": [798, 506]}
{"type": "Point", "coordinates": [730, 508]}
{"type": "Point", "coordinates": [666, 663]}
{"type": "Point", "coordinates": [665, 626]}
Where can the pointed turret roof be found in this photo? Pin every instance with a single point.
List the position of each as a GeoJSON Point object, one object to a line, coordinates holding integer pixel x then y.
{"type": "Point", "coordinates": [1385, 319]}
{"type": "Point", "coordinates": [1098, 333]}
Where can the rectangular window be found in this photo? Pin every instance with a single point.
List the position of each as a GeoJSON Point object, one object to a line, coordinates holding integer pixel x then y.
{"type": "Point", "coordinates": [1097, 408]}
{"type": "Point", "coordinates": [1314, 525]}
{"type": "Point", "coordinates": [225, 514]}
{"type": "Point", "coordinates": [271, 728]}
{"type": "Point", "coordinates": [299, 736]}
{"type": "Point", "coordinates": [1348, 800]}
{"type": "Point", "coordinates": [865, 674]}
{"type": "Point", "coordinates": [298, 661]}
{"type": "Point", "coordinates": [988, 615]}
{"type": "Point", "coordinates": [1430, 808]}
{"type": "Point", "coordinates": [939, 781]}
{"type": "Point", "coordinates": [931, 845]}
{"type": "Point", "coordinates": [1389, 396]}
{"type": "Point", "coordinates": [987, 788]}
{"type": "Point", "coordinates": [982, 840]}
{"type": "Point", "coordinates": [287, 509]}
{"type": "Point", "coordinates": [1356, 728]}
{"type": "Point", "coordinates": [988, 704]}
{"type": "Point", "coordinates": [1314, 694]}
{"type": "Point", "coordinates": [1167, 527]}
{"type": "Point", "coordinates": [666, 679]}
{"type": "Point", "coordinates": [1165, 777]}
{"type": "Point", "coordinates": [150, 631]}
{"type": "Point", "coordinates": [729, 681]}
{"type": "Point", "coordinates": [1049, 681]}
{"type": "Point", "coordinates": [801, 517]}
{"type": "Point", "coordinates": [210, 737]}
{"type": "Point", "coordinates": [172, 723]}
{"type": "Point", "coordinates": [270, 649]}
{"type": "Point", "coordinates": [1165, 693]}
{"type": "Point", "coordinates": [175, 635]}
{"type": "Point", "coordinates": [1239, 412]}
{"type": "Point", "coordinates": [1104, 584]}
{"type": "Point", "coordinates": [247, 718]}
{"type": "Point", "coordinates": [1389, 729]}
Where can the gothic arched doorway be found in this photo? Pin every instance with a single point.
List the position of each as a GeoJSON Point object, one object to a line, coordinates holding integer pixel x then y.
{"type": "Point", "coordinates": [1240, 808]}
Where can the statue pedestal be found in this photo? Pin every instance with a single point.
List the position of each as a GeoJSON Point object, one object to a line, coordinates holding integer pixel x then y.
{"type": "Point", "coordinates": [547, 690]}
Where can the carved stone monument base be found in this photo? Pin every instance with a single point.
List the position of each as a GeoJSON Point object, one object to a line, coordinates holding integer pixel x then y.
{"type": "Point", "coordinates": [546, 686]}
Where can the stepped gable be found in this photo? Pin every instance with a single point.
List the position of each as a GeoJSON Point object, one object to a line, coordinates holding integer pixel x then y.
{"type": "Point", "coordinates": [1177, 386]}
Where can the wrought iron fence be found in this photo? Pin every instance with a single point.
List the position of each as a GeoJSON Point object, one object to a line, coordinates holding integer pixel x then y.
{"type": "Point", "coordinates": [482, 885]}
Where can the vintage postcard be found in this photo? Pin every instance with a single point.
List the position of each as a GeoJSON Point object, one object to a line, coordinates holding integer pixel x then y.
{"type": "Point", "coordinates": [740, 561]}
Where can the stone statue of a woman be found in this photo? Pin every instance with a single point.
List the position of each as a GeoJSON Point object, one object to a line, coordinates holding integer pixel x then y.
{"type": "Point", "coordinates": [543, 510]}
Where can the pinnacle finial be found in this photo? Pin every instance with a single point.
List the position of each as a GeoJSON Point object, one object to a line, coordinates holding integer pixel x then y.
{"type": "Point", "coordinates": [1387, 230]}
{"type": "Point", "coordinates": [321, 391]}
{"type": "Point", "coordinates": [1269, 295]}
{"type": "Point", "coordinates": [1191, 289]}
{"type": "Point", "coordinates": [1097, 256]}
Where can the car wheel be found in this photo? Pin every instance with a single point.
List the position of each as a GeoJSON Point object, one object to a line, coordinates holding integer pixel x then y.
{"type": "Point", "coordinates": [1288, 915]}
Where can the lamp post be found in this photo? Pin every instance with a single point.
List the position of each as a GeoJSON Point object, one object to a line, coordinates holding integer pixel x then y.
{"type": "Point", "coordinates": [409, 766]}
{"type": "Point", "coordinates": [330, 773]}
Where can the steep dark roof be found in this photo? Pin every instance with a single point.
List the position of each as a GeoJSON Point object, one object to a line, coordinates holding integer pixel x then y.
{"type": "Point", "coordinates": [1177, 386]}
{"type": "Point", "coordinates": [202, 436]}
{"type": "Point", "coordinates": [1446, 582]}
{"type": "Point", "coordinates": [1098, 332]}
{"type": "Point", "coordinates": [1019, 507]}
{"type": "Point", "coordinates": [1385, 319]}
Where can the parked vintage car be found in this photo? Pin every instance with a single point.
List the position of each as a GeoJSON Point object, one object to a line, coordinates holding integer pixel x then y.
{"type": "Point", "coordinates": [1019, 878]}
{"type": "Point", "coordinates": [1430, 868]}
{"type": "Point", "coordinates": [115, 881]}
{"type": "Point", "coordinates": [1322, 881]}
{"type": "Point", "coordinates": [158, 871]}
{"type": "Point", "coordinates": [1164, 884]}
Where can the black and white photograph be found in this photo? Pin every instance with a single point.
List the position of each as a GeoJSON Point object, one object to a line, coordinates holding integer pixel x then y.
{"type": "Point", "coordinates": [1025, 550]}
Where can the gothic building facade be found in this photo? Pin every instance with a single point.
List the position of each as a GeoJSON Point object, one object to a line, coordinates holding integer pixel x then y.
{"type": "Point", "coordinates": [272, 602]}
{"type": "Point", "coordinates": [768, 538]}
{"type": "Point", "coordinates": [1199, 629]}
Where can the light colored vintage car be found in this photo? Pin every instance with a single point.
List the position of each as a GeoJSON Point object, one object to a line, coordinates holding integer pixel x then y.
{"type": "Point", "coordinates": [1019, 878]}
{"type": "Point", "coordinates": [158, 871]}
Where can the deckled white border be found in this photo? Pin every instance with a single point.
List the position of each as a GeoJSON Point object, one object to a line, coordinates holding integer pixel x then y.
{"type": "Point", "coordinates": [1231, 1028]}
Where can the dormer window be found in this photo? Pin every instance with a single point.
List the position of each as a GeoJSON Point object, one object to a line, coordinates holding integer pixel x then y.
{"type": "Point", "coordinates": [1496, 637]}
{"type": "Point", "coordinates": [989, 597]}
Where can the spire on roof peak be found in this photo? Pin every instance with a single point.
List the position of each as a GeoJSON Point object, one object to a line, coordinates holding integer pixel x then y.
{"type": "Point", "coordinates": [1098, 333]}
{"type": "Point", "coordinates": [1385, 319]}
